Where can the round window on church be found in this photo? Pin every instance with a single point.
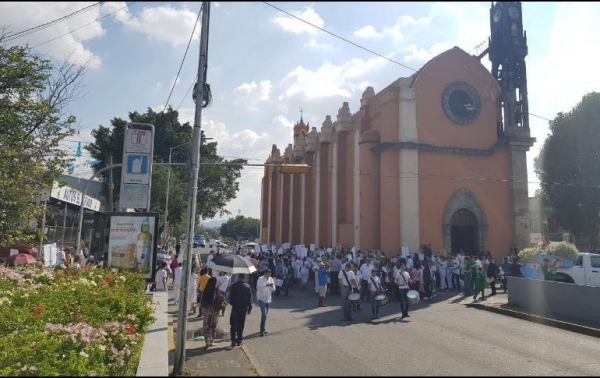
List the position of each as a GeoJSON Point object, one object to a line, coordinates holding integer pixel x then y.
{"type": "Point", "coordinates": [461, 103]}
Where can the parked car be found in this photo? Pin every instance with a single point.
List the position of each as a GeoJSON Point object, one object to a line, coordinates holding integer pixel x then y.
{"type": "Point", "coordinates": [585, 270]}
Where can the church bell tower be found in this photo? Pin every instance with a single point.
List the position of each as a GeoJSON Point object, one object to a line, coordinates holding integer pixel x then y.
{"type": "Point", "coordinates": [507, 52]}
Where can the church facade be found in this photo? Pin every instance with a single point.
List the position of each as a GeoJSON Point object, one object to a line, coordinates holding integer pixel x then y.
{"type": "Point", "coordinates": [438, 157]}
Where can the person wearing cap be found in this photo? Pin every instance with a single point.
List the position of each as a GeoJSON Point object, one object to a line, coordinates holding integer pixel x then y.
{"type": "Point", "coordinates": [264, 288]}
{"type": "Point", "coordinates": [322, 276]}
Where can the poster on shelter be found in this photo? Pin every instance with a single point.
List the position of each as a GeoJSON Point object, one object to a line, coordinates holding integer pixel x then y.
{"type": "Point", "coordinates": [132, 242]}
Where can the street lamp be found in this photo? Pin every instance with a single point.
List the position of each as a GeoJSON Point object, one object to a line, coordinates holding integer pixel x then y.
{"type": "Point", "coordinates": [167, 200]}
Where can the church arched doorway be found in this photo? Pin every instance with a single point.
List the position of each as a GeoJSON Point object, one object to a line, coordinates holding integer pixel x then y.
{"type": "Point", "coordinates": [464, 237]}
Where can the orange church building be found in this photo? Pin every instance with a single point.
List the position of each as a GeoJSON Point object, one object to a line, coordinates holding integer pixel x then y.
{"type": "Point", "coordinates": [438, 157]}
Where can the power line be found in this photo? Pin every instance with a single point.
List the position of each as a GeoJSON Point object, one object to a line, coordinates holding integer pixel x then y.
{"type": "Point", "coordinates": [183, 60]}
{"type": "Point", "coordinates": [81, 27]}
{"type": "Point", "coordinates": [34, 29]}
{"type": "Point", "coordinates": [187, 93]}
{"type": "Point", "coordinates": [376, 53]}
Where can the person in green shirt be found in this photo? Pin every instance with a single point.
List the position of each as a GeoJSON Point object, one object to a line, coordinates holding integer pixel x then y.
{"type": "Point", "coordinates": [479, 283]}
{"type": "Point", "coordinates": [469, 270]}
{"type": "Point", "coordinates": [548, 275]}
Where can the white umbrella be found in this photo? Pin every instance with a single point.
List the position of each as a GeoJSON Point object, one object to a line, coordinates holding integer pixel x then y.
{"type": "Point", "coordinates": [234, 264]}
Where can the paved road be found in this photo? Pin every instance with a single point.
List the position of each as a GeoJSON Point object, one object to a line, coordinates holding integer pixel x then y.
{"type": "Point", "coordinates": [441, 337]}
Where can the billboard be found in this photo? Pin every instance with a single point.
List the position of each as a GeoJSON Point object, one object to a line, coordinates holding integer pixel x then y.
{"type": "Point", "coordinates": [132, 240]}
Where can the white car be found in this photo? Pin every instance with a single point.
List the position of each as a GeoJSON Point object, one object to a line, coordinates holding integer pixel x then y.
{"type": "Point", "coordinates": [216, 243]}
{"type": "Point", "coordinates": [585, 271]}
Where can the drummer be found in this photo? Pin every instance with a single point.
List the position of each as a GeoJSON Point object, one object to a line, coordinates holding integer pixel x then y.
{"type": "Point", "coordinates": [375, 288]}
{"type": "Point", "coordinates": [348, 284]}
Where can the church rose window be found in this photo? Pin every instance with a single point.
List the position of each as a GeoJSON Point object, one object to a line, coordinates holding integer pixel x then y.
{"type": "Point", "coordinates": [461, 103]}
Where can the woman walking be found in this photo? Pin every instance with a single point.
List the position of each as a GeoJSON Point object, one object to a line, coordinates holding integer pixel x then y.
{"type": "Point", "coordinates": [210, 307]}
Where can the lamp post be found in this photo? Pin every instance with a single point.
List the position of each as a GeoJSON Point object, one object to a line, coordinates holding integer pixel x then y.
{"type": "Point", "coordinates": [167, 200]}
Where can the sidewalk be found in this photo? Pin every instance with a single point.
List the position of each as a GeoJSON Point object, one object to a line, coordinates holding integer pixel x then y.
{"type": "Point", "coordinates": [219, 361]}
{"type": "Point", "coordinates": [499, 305]}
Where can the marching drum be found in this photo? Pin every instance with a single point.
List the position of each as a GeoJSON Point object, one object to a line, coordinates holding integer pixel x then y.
{"type": "Point", "coordinates": [381, 299]}
{"type": "Point", "coordinates": [354, 299]}
{"type": "Point", "coordinates": [413, 296]}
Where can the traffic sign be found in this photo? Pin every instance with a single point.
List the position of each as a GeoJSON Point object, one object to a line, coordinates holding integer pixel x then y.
{"type": "Point", "coordinates": [138, 140]}
{"type": "Point", "coordinates": [137, 169]}
{"type": "Point", "coordinates": [134, 196]}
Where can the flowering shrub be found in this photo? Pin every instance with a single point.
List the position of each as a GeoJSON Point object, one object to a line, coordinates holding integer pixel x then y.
{"type": "Point", "coordinates": [71, 322]}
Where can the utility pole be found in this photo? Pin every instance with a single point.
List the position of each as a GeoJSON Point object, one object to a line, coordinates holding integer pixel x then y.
{"type": "Point", "coordinates": [167, 204]}
{"type": "Point", "coordinates": [193, 187]}
{"type": "Point", "coordinates": [111, 186]}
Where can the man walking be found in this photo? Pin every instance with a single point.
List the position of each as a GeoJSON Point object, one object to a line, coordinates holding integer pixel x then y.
{"type": "Point", "coordinates": [491, 275]}
{"type": "Point", "coordinates": [348, 283]}
{"type": "Point", "coordinates": [264, 287]}
{"type": "Point", "coordinates": [240, 298]}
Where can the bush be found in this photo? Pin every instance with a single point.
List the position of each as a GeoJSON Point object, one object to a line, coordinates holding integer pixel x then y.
{"type": "Point", "coordinates": [71, 322]}
{"type": "Point", "coordinates": [530, 255]}
{"type": "Point", "coordinates": [564, 250]}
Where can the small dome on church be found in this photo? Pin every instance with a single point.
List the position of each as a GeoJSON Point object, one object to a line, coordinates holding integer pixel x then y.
{"type": "Point", "coordinates": [301, 127]}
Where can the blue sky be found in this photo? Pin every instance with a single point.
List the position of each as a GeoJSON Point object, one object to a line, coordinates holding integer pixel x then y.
{"type": "Point", "coordinates": [265, 66]}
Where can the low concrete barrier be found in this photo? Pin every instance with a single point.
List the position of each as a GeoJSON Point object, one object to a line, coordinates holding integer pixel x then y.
{"type": "Point", "coordinates": [555, 298]}
{"type": "Point", "coordinates": [155, 352]}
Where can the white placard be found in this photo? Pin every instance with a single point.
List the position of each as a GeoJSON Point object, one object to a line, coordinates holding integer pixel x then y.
{"type": "Point", "coordinates": [14, 252]}
{"type": "Point", "coordinates": [405, 251]}
{"type": "Point", "coordinates": [312, 247]}
{"type": "Point", "coordinates": [329, 250]}
{"type": "Point", "coordinates": [138, 140]}
{"type": "Point", "coordinates": [50, 252]}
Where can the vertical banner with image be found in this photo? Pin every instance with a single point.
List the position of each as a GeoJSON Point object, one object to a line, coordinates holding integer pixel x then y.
{"type": "Point", "coordinates": [132, 242]}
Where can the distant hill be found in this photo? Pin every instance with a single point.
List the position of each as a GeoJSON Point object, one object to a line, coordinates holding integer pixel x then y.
{"type": "Point", "coordinates": [216, 223]}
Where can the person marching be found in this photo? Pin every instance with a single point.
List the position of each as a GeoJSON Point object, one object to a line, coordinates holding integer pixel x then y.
{"type": "Point", "coordinates": [402, 280]}
{"type": "Point", "coordinates": [479, 283]}
{"type": "Point", "coordinates": [375, 288]}
{"type": "Point", "coordinates": [264, 287]}
{"type": "Point", "coordinates": [348, 283]}
{"type": "Point", "coordinates": [322, 275]}
{"type": "Point", "coordinates": [210, 307]}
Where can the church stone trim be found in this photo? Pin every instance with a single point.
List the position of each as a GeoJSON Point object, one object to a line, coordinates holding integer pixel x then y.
{"type": "Point", "coordinates": [423, 147]}
{"type": "Point", "coordinates": [465, 199]}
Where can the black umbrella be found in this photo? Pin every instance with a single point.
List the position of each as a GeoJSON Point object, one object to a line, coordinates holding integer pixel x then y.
{"type": "Point", "coordinates": [234, 264]}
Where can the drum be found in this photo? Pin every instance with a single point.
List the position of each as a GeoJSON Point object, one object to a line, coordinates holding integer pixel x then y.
{"type": "Point", "coordinates": [354, 299]}
{"type": "Point", "coordinates": [413, 296]}
{"type": "Point", "coordinates": [381, 299]}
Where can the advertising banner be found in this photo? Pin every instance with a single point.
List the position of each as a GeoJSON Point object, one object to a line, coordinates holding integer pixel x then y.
{"type": "Point", "coordinates": [132, 242]}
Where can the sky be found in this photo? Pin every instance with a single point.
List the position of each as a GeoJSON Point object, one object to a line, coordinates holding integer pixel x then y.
{"type": "Point", "coordinates": [264, 66]}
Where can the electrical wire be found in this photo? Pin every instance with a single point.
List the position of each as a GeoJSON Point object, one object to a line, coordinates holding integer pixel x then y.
{"type": "Point", "coordinates": [184, 56]}
{"type": "Point", "coordinates": [376, 53]}
{"type": "Point", "coordinates": [34, 29]}
{"type": "Point", "coordinates": [187, 93]}
{"type": "Point", "coordinates": [81, 27]}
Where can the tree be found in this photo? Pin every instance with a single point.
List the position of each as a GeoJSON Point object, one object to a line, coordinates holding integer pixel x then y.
{"type": "Point", "coordinates": [240, 227]}
{"type": "Point", "coordinates": [569, 171]}
{"type": "Point", "coordinates": [33, 98]}
{"type": "Point", "coordinates": [217, 184]}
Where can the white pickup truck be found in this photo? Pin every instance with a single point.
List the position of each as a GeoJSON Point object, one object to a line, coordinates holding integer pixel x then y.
{"type": "Point", "coordinates": [585, 270]}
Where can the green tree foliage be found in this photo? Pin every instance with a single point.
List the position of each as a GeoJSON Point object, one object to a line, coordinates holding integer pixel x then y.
{"type": "Point", "coordinates": [217, 185]}
{"type": "Point", "coordinates": [33, 98]}
{"type": "Point", "coordinates": [568, 168]}
{"type": "Point", "coordinates": [240, 227]}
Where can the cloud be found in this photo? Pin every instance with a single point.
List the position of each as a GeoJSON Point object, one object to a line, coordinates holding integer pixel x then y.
{"type": "Point", "coordinates": [157, 87]}
{"type": "Point", "coordinates": [368, 31]}
{"type": "Point", "coordinates": [174, 81]}
{"type": "Point", "coordinates": [329, 79]}
{"type": "Point", "coordinates": [318, 45]}
{"type": "Point", "coordinates": [21, 16]}
{"type": "Point", "coordinates": [163, 23]}
{"type": "Point", "coordinates": [292, 25]}
{"type": "Point", "coordinates": [252, 93]}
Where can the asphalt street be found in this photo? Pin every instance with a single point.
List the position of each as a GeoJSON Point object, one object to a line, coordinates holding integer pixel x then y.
{"type": "Point", "coordinates": [442, 337]}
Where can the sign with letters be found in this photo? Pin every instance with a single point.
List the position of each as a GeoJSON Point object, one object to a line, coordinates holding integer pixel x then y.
{"type": "Point", "coordinates": [136, 174]}
{"type": "Point", "coordinates": [137, 169]}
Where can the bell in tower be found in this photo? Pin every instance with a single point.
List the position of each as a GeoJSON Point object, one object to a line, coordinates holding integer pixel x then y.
{"type": "Point", "coordinates": [507, 52]}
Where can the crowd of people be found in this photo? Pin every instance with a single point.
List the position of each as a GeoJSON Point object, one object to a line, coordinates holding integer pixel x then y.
{"type": "Point", "coordinates": [356, 277]}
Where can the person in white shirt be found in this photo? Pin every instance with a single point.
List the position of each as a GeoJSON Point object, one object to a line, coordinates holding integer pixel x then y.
{"type": "Point", "coordinates": [60, 257]}
{"type": "Point", "coordinates": [177, 274]}
{"type": "Point", "coordinates": [358, 276]}
{"type": "Point", "coordinates": [264, 287]}
{"type": "Point", "coordinates": [455, 273]}
{"type": "Point", "coordinates": [223, 284]}
{"type": "Point", "coordinates": [210, 256]}
{"type": "Point", "coordinates": [365, 274]}
{"type": "Point", "coordinates": [409, 263]}
{"type": "Point", "coordinates": [161, 278]}
{"type": "Point", "coordinates": [402, 280]}
{"type": "Point", "coordinates": [374, 288]}
{"type": "Point", "coordinates": [442, 268]}
{"type": "Point", "coordinates": [348, 284]}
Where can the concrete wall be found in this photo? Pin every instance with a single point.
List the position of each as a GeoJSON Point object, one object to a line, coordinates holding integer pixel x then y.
{"type": "Point", "coordinates": [549, 297]}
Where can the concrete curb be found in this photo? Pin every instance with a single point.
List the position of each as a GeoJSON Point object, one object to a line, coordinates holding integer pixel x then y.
{"type": "Point", "coordinates": [589, 331]}
{"type": "Point", "coordinates": [254, 362]}
{"type": "Point", "coordinates": [154, 360]}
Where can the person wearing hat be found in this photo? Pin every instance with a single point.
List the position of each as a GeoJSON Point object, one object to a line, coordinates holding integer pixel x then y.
{"type": "Point", "coordinates": [322, 276]}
